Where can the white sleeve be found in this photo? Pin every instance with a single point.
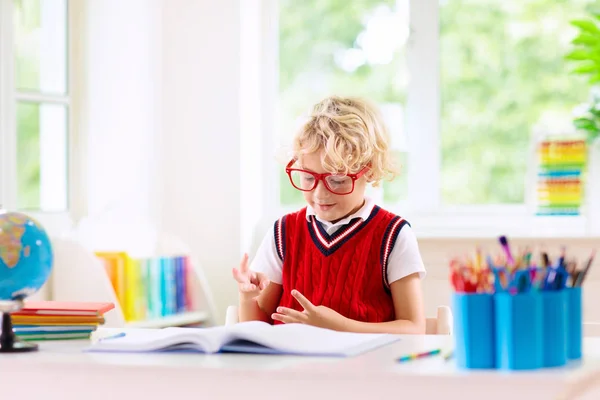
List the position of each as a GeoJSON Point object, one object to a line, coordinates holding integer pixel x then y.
{"type": "Point", "coordinates": [405, 258]}
{"type": "Point", "coordinates": [266, 259]}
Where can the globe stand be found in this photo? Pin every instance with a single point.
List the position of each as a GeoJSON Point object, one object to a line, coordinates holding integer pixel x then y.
{"type": "Point", "coordinates": [9, 343]}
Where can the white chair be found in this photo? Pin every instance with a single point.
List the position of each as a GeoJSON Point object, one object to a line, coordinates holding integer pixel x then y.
{"type": "Point", "coordinates": [438, 325]}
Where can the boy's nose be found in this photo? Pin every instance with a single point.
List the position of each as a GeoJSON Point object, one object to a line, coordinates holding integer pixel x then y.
{"type": "Point", "coordinates": [321, 191]}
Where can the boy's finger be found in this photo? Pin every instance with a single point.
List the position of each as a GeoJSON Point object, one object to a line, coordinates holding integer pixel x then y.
{"type": "Point", "coordinates": [238, 276]}
{"type": "Point", "coordinates": [264, 283]}
{"type": "Point", "coordinates": [244, 264]}
{"type": "Point", "coordinates": [247, 287]}
{"type": "Point", "coordinates": [284, 318]}
{"type": "Point", "coordinates": [297, 315]}
{"type": "Point", "coordinates": [307, 305]}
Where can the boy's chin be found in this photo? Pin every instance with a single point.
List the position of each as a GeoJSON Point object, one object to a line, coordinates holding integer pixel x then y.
{"type": "Point", "coordinates": [332, 214]}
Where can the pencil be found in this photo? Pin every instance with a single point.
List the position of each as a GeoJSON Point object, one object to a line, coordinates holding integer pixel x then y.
{"type": "Point", "coordinates": [449, 356]}
{"type": "Point", "coordinates": [416, 356]}
{"type": "Point", "coordinates": [584, 272]}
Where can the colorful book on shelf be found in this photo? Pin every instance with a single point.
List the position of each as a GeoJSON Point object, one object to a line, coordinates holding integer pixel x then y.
{"type": "Point", "coordinates": [151, 288]}
{"type": "Point", "coordinates": [116, 265]}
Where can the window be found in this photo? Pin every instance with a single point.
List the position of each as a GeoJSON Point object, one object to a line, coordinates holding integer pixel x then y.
{"type": "Point", "coordinates": [35, 105]}
{"type": "Point", "coordinates": [465, 85]}
{"type": "Point", "coordinates": [503, 75]}
{"type": "Point", "coordinates": [328, 47]}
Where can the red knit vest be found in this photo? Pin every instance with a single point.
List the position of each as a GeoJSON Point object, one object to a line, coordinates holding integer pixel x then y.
{"type": "Point", "coordinates": [345, 271]}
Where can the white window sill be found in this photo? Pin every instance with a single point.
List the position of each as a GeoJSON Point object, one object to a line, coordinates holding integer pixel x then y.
{"type": "Point", "coordinates": [489, 222]}
{"type": "Point", "coordinates": [492, 226]}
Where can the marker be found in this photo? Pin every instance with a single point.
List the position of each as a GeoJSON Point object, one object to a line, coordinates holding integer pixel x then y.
{"type": "Point", "coordinates": [506, 248]}
{"type": "Point", "coordinates": [561, 260]}
{"type": "Point", "coordinates": [419, 355]}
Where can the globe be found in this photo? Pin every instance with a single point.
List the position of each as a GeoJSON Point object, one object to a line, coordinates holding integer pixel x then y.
{"type": "Point", "coordinates": [25, 256]}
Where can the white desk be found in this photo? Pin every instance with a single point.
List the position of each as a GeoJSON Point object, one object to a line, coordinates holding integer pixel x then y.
{"type": "Point", "coordinates": [60, 370]}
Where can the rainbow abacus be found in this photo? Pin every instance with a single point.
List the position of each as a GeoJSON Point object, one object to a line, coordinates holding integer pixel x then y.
{"type": "Point", "coordinates": [561, 167]}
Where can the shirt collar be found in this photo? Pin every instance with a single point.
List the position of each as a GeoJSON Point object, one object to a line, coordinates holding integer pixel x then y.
{"type": "Point", "coordinates": [364, 212]}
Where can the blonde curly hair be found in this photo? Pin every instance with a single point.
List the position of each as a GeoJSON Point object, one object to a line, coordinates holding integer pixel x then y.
{"type": "Point", "coordinates": [352, 134]}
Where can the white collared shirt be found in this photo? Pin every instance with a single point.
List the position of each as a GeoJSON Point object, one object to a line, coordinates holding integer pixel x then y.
{"type": "Point", "coordinates": [404, 259]}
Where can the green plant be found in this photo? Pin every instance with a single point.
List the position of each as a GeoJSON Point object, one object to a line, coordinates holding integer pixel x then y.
{"type": "Point", "coordinates": [585, 56]}
{"type": "Point", "coordinates": [587, 116]}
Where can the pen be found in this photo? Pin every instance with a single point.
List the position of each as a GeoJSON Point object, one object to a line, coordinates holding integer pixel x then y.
{"type": "Point", "coordinates": [498, 287]}
{"type": "Point", "coordinates": [522, 281]}
{"type": "Point", "coordinates": [115, 336]}
{"type": "Point", "coordinates": [545, 260]}
{"type": "Point", "coordinates": [561, 260]}
{"type": "Point", "coordinates": [584, 272]}
{"type": "Point", "coordinates": [416, 356]}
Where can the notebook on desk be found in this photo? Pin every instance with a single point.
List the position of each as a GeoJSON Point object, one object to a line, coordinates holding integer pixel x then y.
{"type": "Point", "coordinates": [247, 337]}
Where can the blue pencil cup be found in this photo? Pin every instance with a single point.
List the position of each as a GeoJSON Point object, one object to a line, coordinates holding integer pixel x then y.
{"type": "Point", "coordinates": [574, 322]}
{"type": "Point", "coordinates": [474, 330]}
{"type": "Point", "coordinates": [554, 328]}
{"type": "Point", "coordinates": [519, 330]}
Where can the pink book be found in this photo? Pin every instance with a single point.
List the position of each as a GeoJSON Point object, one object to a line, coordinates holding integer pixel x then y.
{"type": "Point", "coordinates": [64, 308]}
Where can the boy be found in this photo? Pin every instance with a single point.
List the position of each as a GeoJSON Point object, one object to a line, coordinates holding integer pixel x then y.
{"type": "Point", "coordinates": [342, 262]}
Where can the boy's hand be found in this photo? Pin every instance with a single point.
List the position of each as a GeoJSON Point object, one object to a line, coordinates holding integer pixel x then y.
{"type": "Point", "coordinates": [250, 283]}
{"type": "Point", "coordinates": [321, 316]}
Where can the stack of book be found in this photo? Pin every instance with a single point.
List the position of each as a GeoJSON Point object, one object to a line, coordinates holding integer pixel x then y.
{"type": "Point", "coordinates": [48, 320]}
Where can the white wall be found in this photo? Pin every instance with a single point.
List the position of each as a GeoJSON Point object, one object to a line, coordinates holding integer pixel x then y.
{"type": "Point", "coordinates": [122, 106]}
{"type": "Point", "coordinates": [162, 123]}
{"type": "Point", "coordinates": [200, 196]}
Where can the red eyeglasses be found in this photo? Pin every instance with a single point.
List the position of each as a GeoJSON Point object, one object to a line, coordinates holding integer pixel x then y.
{"type": "Point", "coordinates": [307, 180]}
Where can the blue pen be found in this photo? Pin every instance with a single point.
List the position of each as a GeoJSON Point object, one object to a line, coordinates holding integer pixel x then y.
{"type": "Point", "coordinates": [498, 288]}
{"type": "Point", "coordinates": [548, 279]}
{"type": "Point", "coordinates": [115, 336]}
{"type": "Point", "coordinates": [522, 281]}
{"type": "Point", "coordinates": [560, 280]}
{"type": "Point", "coordinates": [561, 260]}
{"type": "Point", "coordinates": [556, 278]}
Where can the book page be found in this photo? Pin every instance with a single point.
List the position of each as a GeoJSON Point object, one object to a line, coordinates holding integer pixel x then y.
{"type": "Point", "coordinates": [206, 340]}
{"type": "Point", "coordinates": [309, 340]}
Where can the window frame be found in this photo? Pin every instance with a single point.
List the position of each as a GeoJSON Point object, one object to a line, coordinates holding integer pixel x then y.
{"type": "Point", "coordinates": [58, 221]}
{"type": "Point", "coordinates": [429, 217]}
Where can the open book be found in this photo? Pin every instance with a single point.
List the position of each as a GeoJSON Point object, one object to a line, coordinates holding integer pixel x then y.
{"type": "Point", "coordinates": [246, 337]}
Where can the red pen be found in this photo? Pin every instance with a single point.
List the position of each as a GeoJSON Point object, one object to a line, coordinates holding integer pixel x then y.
{"type": "Point", "coordinates": [457, 281]}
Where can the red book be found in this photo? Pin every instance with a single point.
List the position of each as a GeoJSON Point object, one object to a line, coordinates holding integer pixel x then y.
{"type": "Point", "coordinates": [64, 308]}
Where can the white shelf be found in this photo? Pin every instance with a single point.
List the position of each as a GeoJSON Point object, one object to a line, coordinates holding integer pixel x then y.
{"type": "Point", "coordinates": [187, 318]}
{"type": "Point", "coordinates": [78, 275]}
